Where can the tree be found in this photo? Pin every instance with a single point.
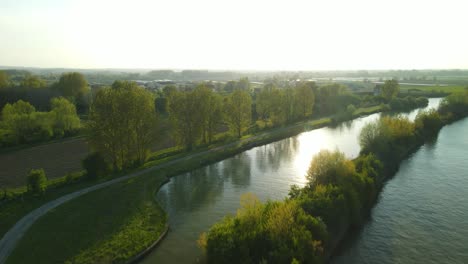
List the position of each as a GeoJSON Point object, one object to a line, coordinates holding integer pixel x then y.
{"type": "Point", "coordinates": [65, 117]}
{"type": "Point", "coordinates": [329, 168]}
{"type": "Point", "coordinates": [4, 80]}
{"type": "Point", "coordinates": [243, 84]}
{"type": "Point", "coordinates": [18, 118]}
{"type": "Point", "coordinates": [305, 98]}
{"type": "Point", "coordinates": [390, 89]}
{"type": "Point", "coordinates": [95, 165]}
{"type": "Point", "coordinates": [37, 182]}
{"type": "Point", "coordinates": [168, 89]}
{"type": "Point", "coordinates": [275, 232]}
{"type": "Point", "coordinates": [209, 111]}
{"type": "Point", "coordinates": [185, 117]}
{"type": "Point", "coordinates": [239, 111]}
{"type": "Point", "coordinates": [33, 82]}
{"type": "Point", "coordinates": [74, 86]}
{"type": "Point", "coordinates": [122, 123]}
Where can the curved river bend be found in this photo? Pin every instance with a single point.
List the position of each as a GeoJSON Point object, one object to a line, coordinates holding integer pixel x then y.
{"type": "Point", "coordinates": [194, 201]}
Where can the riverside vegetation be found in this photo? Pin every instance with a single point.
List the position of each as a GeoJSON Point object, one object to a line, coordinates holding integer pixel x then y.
{"type": "Point", "coordinates": [308, 225]}
{"type": "Point", "coordinates": [120, 148]}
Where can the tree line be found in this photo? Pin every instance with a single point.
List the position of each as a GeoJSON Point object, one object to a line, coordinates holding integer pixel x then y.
{"type": "Point", "coordinates": [21, 123]}
{"type": "Point", "coordinates": [39, 92]}
{"type": "Point", "coordinates": [124, 118]}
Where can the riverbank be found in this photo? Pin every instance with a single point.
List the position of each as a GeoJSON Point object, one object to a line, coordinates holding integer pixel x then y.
{"type": "Point", "coordinates": [218, 153]}
{"type": "Point", "coordinates": [422, 209]}
{"type": "Point", "coordinates": [339, 192]}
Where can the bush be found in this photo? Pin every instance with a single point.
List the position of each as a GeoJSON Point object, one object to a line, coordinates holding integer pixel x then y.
{"type": "Point", "coordinates": [95, 165]}
{"type": "Point", "coordinates": [328, 167]}
{"type": "Point", "coordinates": [455, 104]}
{"type": "Point", "coordinates": [275, 232]}
{"type": "Point", "coordinates": [381, 136]}
{"type": "Point", "coordinates": [37, 182]}
{"type": "Point", "coordinates": [428, 122]}
{"type": "Point", "coordinates": [408, 103]}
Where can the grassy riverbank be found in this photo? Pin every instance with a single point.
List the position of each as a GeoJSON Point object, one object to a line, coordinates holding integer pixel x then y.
{"type": "Point", "coordinates": [108, 239]}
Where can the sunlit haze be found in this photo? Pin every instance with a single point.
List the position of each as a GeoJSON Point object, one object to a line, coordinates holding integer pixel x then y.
{"type": "Point", "coordinates": [234, 35]}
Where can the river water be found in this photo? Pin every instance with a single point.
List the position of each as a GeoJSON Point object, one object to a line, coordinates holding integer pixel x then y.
{"type": "Point", "coordinates": [194, 201]}
{"type": "Point", "coordinates": [422, 214]}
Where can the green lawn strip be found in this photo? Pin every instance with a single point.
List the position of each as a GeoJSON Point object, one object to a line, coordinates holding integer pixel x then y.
{"type": "Point", "coordinates": [367, 110]}
{"type": "Point", "coordinates": [428, 89]}
{"type": "Point", "coordinates": [106, 226]}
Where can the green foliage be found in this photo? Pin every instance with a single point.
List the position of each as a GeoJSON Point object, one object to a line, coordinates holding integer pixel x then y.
{"type": "Point", "coordinates": [33, 82]}
{"type": "Point", "coordinates": [407, 103]}
{"type": "Point", "coordinates": [371, 167]}
{"type": "Point", "coordinates": [455, 105]}
{"type": "Point", "coordinates": [66, 120]}
{"type": "Point", "coordinates": [350, 109]}
{"type": "Point", "coordinates": [390, 89]}
{"type": "Point", "coordinates": [305, 98]}
{"type": "Point", "coordinates": [4, 80]}
{"type": "Point", "coordinates": [23, 124]}
{"type": "Point", "coordinates": [74, 87]}
{"type": "Point", "coordinates": [95, 165]}
{"type": "Point", "coordinates": [37, 182]}
{"type": "Point", "coordinates": [123, 124]}
{"type": "Point", "coordinates": [186, 113]}
{"type": "Point", "coordinates": [276, 232]}
{"type": "Point", "coordinates": [382, 136]}
{"type": "Point", "coordinates": [73, 84]}
{"type": "Point", "coordinates": [26, 125]}
{"type": "Point", "coordinates": [238, 111]}
{"type": "Point", "coordinates": [428, 122]}
{"type": "Point", "coordinates": [328, 167]}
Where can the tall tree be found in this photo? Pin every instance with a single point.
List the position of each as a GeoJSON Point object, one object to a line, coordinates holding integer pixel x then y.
{"type": "Point", "coordinates": [239, 111]}
{"type": "Point", "coordinates": [74, 86]}
{"type": "Point", "coordinates": [65, 117]}
{"type": "Point", "coordinates": [390, 89]}
{"type": "Point", "coordinates": [305, 98]}
{"type": "Point", "coordinates": [33, 81]}
{"type": "Point", "coordinates": [184, 112]}
{"type": "Point", "coordinates": [123, 123]}
{"type": "Point", "coordinates": [4, 80]}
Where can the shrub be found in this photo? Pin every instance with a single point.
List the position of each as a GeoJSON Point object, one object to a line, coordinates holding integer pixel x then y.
{"type": "Point", "coordinates": [275, 232]}
{"type": "Point", "coordinates": [37, 181]}
{"type": "Point", "coordinates": [329, 167]}
{"type": "Point", "coordinates": [95, 165]}
{"type": "Point", "coordinates": [428, 122]}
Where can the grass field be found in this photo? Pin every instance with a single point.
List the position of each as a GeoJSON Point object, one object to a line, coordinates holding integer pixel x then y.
{"type": "Point", "coordinates": [367, 110]}
{"type": "Point", "coordinates": [419, 89]}
{"type": "Point", "coordinates": [110, 225]}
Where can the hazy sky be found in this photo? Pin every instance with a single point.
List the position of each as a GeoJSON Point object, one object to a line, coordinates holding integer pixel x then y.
{"type": "Point", "coordinates": [238, 34]}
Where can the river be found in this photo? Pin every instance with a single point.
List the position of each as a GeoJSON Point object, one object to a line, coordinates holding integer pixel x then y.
{"type": "Point", "coordinates": [422, 213]}
{"type": "Point", "coordinates": [194, 201]}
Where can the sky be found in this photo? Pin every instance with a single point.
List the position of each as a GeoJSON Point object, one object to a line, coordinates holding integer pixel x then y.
{"type": "Point", "coordinates": [235, 35]}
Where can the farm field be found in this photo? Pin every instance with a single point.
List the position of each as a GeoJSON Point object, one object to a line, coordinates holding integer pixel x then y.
{"type": "Point", "coordinates": [56, 159]}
